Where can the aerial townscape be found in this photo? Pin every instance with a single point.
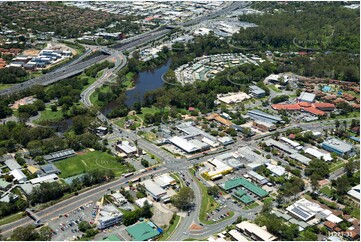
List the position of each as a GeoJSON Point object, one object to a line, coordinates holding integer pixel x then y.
{"type": "Point", "coordinates": [180, 121]}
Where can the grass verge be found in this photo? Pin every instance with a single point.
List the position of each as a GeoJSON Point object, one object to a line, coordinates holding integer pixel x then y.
{"type": "Point", "coordinates": [11, 218]}
{"type": "Point", "coordinates": [170, 229]}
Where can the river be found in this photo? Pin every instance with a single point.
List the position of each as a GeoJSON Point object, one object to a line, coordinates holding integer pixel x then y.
{"type": "Point", "coordinates": [145, 81]}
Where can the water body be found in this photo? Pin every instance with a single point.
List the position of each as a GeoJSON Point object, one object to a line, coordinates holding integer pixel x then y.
{"type": "Point", "coordinates": [144, 82]}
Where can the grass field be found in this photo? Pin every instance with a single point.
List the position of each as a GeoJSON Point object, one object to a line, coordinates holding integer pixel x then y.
{"type": "Point", "coordinates": [47, 114]}
{"type": "Point", "coordinates": [208, 203]}
{"type": "Point", "coordinates": [89, 161]}
{"type": "Point", "coordinates": [267, 200]}
{"type": "Point", "coordinates": [4, 86]}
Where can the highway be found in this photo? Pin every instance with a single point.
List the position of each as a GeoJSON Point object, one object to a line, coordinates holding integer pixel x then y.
{"type": "Point", "coordinates": [74, 202]}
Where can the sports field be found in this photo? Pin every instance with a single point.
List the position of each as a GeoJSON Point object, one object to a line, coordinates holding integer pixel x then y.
{"type": "Point", "coordinates": [91, 160]}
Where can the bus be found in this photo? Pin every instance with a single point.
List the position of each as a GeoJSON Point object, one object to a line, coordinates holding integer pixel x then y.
{"type": "Point", "coordinates": [136, 180]}
{"type": "Point", "coordinates": [128, 174]}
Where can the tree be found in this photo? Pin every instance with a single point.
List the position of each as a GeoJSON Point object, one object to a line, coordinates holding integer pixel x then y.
{"type": "Point", "coordinates": [184, 199]}
{"type": "Point", "coordinates": [137, 107]}
{"type": "Point", "coordinates": [84, 226]}
{"type": "Point", "coordinates": [144, 163]}
{"type": "Point", "coordinates": [213, 191]}
{"type": "Point", "coordinates": [45, 233]}
{"type": "Point", "coordinates": [26, 233]}
{"type": "Point", "coordinates": [53, 108]}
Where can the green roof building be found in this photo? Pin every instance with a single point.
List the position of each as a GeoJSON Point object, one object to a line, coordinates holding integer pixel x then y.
{"type": "Point", "coordinates": [230, 184]}
{"type": "Point", "coordinates": [112, 237]}
{"type": "Point", "coordinates": [242, 195]}
{"type": "Point", "coordinates": [143, 231]}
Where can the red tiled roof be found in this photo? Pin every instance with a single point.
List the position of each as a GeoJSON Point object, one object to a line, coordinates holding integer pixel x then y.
{"type": "Point", "coordinates": [330, 224]}
{"type": "Point", "coordinates": [304, 104]}
{"type": "Point", "coordinates": [286, 107]}
{"type": "Point", "coordinates": [314, 111]}
{"type": "Point", "coordinates": [356, 106]}
{"type": "Point", "coordinates": [339, 100]}
{"type": "Point", "coordinates": [323, 105]}
{"type": "Point", "coordinates": [292, 136]}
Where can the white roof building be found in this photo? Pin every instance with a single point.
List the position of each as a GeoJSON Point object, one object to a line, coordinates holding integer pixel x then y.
{"type": "Point", "coordinates": [126, 147]}
{"type": "Point", "coordinates": [154, 189]}
{"type": "Point", "coordinates": [233, 97]}
{"type": "Point", "coordinates": [109, 215]}
{"type": "Point", "coordinates": [318, 154]}
{"type": "Point", "coordinates": [140, 202]}
{"type": "Point", "coordinates": [306, 210]}
{"type": "Point", "coordinates": [355, 192]}
{"type": "Point", "coordinates": [255, 232]}
{"type": "Point", "coordinates": [237, 235]}
{"type": "Point", "coordinates": [184, 144]}
{"type": "Point", "coordinates": [48, 178]}
{"type": "Point", "coordinates": [165, 180]}
{"type": "Point", "coordinates": [18, 175]}
{"type": "Point", "coordinates": [306, 97]}
{"type": "Point", "coordinates": [119, 198]}
{"type": "Point", "coordinates": [276, 170]}
{"type": "Point", "coordinates": [292, 143]}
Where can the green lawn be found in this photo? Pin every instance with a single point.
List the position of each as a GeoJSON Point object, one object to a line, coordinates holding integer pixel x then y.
{"type": "Point", "coordinates": [128, 82]}
{"type": "Point", "coordinates": [208, 203]}
{"type": "Point", "coordinates": [11, 218]}
{"type": "Point", "coordinates": [92, 160]}
{"type": "Point", "coordinates": [151, 110]}
{"type": "Point", "coordinates": [274, 88]}
{"type": "Point", "coordinates": [170, 229]}
{"type": "Point", "coordinates": [47, 114]}
{"type": "Point", "coordinates": [267, 200]}
{"type": "Point", "coordinates": [252, 205]}
{"type": "Point", "coordinates": [356, 212]}
{"type": "Point", "coordinates": [335, 166]}
{"type": "Point", "coordinates": [326, 190]}
{"type": "Point", "coordinates": [4, 86]}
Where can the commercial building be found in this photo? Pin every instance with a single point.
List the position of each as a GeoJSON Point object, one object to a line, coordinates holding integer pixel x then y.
{"type": "Point", "coordinates": [265, 117]}
{"type": "Point", "coordinates": [263, 126]}
{"type": "Point", "coordinates": [59, 155]}
{"type": "Point", "coordinates": [48, 178]}
{"type": "Point", "coordinates": [154, 189]}
{"type": "Point", "coordinates": [337, 146]}
{"type": "Point", "coordinates": [234, 183]}
{"type": "Point", "coordinates": [109, 215]}
{"type": "Point", "coordinates": [318, 154]}
{"type": "Point", "coordinates": [242, 196]}
{"type": "Point", "coordinates": [255, 232]}
{"type": "Point", "coordinates": [217, 169]}
{"type": "Point", "coordinates": [18, 175]}
{"type": "Point", "coordinates": [256, 92]}
{"type": "Point", "coordinates": [257, 177]}
{"type": "Point", "coordinates": [143, 231]}
{"type": "Point", "coordinates": [225, 140]}
{"type": "Point", "coordinates": [355, 192]}
{"type": "Point", "coordinates": [280, 146]}
{"type": "Point", "coordinates": [165, 180]}
{"type": "Point", "coordinates": [232, 97]}
{"type": "Point", "coordinates": [126, 148]}
{"type": "Point", "coordinates": [306, 97]}
{"type": "Point", "coordinates": [185, 144]}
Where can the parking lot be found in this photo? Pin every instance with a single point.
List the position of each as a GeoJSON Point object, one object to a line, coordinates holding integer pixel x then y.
{"type": "Point", "coordinates": [219, 213]}
{"type": "Point", "coordinates": [65, 227]}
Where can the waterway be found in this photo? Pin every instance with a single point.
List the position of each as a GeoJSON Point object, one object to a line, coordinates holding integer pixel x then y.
{"type": "Point", "coordinates": [144, 82]}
